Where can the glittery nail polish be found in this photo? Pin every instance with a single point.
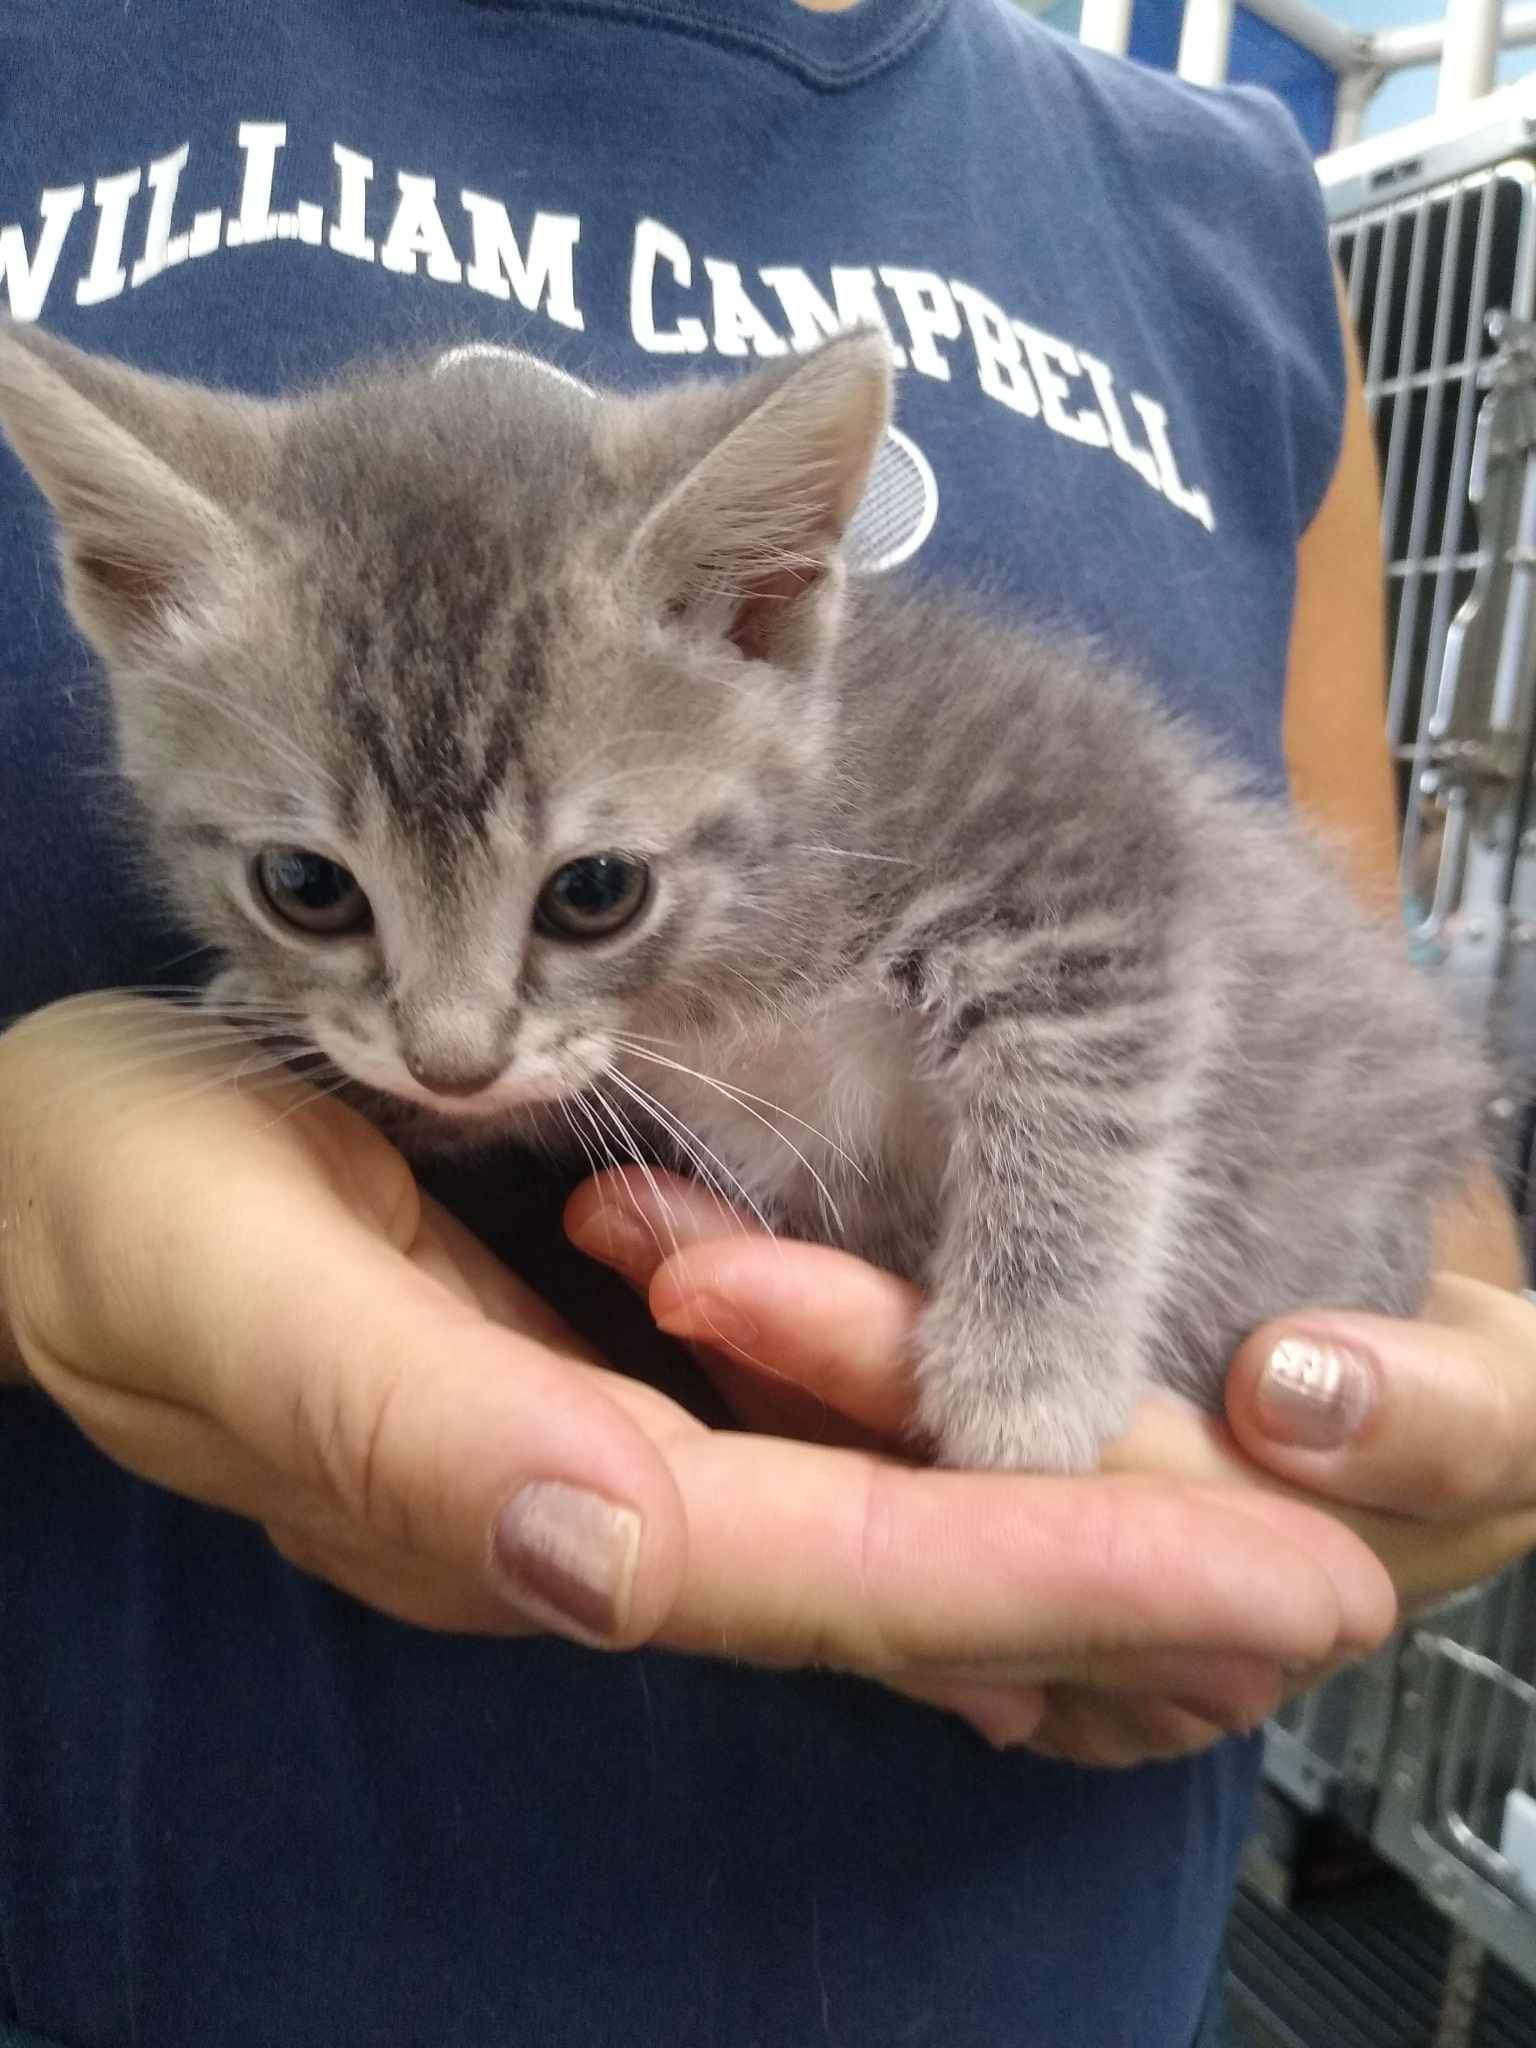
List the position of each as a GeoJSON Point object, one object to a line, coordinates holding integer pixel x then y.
{"type": "Point", "coordinates": [1314, 1394]}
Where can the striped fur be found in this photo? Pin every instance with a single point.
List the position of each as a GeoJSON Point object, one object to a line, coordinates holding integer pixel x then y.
{"type": "Point", "coordinates": [959, 950]}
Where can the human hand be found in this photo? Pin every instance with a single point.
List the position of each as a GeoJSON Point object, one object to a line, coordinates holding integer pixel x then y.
{"type": "Point", "coordinates": [1423, 1432]}
{"type": "Point", "coordinates": [811, 1343]}
{"type": "Point", "coordinates": [238, 1292]}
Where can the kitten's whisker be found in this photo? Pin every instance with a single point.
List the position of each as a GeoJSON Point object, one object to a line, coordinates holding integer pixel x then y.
{"type": "Point", "coordinates": [176, 1043]}
{"type": "Point", "coordinates": [849, 853]}
{"type": "Point", "coordinates": [244, 1079]}
{"type": "Point", "coordinates": [162, 1042]}
{"type": "Point", "coordinates": [192, 953]}
{"type": "Point", "coordinates": [311, 1096]}
{"type": "Point", "coordinates": [694, 1148]}
{"type": "Point", "coordinates": [649, 773]}
{"type": "Point", "coordinates": [239, 715]}
{"type": "Point", "coordinates": [828, 1199]}
{"type": "Point", "coordinates": [744, 1096]}
{"type": "Point", "coordinates": [729, 1345]}
{"type": "Point", "coordinates": [170, 1057]}
{"type": "Point", "coordinates": [178, 1015]}
{"type": "Point", "coordinates": [628, 1136]}
{"type": "Point", "coordinates": [605, 1150]}
{"type": "Point", "coordinates": [273, 1055]}
{"type": "Point", "coordinates": [575, 1129]}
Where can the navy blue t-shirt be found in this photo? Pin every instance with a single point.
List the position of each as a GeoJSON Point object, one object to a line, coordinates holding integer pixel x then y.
{"type": "Point", "coordinates": [234, 1806]}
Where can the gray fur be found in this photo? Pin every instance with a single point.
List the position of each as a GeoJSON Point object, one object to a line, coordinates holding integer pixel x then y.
{"type": "Point", "coordinates": [1011, 987]}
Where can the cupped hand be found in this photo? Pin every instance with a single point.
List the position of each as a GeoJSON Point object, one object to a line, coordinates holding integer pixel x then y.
{"type": "Point", "coordinates": [236, 1289]}
{"type": "Point", "coordinates": [812, 1343]}
{"type": "Point", "coordinates": [1420, 1436]}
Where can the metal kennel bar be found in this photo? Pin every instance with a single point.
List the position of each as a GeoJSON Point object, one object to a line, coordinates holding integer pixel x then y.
{"type": "Point", "coordinates": [1458, 1803]}
{"type": "Point", "coordinates": [1430, 1747]}
{"type": "Point", "coordinates": [1440, 285]}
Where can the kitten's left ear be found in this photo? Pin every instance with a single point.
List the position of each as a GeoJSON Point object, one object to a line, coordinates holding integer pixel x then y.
{"type": "Point", "coordinates": [747, 543]}
{"type": "Point", "coordinates": [127, 462]}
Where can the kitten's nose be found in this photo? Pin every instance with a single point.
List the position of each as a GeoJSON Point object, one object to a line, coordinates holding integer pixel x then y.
{"type": "Point", "coordinates": [454, 1080]}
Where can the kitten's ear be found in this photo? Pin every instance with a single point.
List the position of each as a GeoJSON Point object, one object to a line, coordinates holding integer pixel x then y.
{"type": "Point", "coordinates": [748, 542]}
{"type": "Point", "coordinates": [134, 467]}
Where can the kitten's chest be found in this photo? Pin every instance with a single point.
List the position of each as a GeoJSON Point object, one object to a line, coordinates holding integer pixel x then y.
{"type": "Point", "coordinates": [827, 1125]}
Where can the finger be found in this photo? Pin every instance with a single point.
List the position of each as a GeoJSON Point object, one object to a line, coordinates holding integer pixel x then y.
{"type": "Point", "coordinates": [1433, 1419]}
{"type": "Point", "coordinates": [815, 1317]}
{"type": "Point", "coordinates": [799, 1554]}
{"type": "Point", "coordinates": [634, 1220]}
{"type": "Point", "coordinates": [1169, 1436]}
{"type": "Point", "coordinates": [1427, 1559]}
{"type": "Point", "coordinates": [443, 1436]}
{"type": "Point", "coordinates": [1005, 1716]}
{"type": "Point", "coordinates": [1083, 1727]}
{"type": "Point", "coordinates": [1234, 1692]}
{"type": "Point", "coordinates": [802, 1340]}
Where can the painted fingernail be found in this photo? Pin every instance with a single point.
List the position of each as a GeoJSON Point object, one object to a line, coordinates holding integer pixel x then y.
{"type": "Point", "coordinates": [618, 1238]}
{"type": "Point", "coordinates": [1314, 1395]}
{"type": "Point", "coordinates": [569, 1556]}
{"type": "Point", "coordinates": [706, 1319]}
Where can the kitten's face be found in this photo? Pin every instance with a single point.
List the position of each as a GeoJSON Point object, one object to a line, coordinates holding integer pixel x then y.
{"type": "Point", "coordinates": [481, 873]}
{"type": "Point", "coordinates": [476, 720]}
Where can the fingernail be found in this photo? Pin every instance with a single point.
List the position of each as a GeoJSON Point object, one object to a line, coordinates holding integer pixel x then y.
{"type": "Point", "coordinates": [1007, 1721]}
{"type": "Point", "coordinates": [570, 1555]}
{"type": "Point", "coordinates": [1314, 1395]}
{"type": "Point", "coordinates": [706, 1319]}
{"type": "Point", "coordinates": [618, 1238]}
{"type": "Point", "coordinates": [1220, 1713]}
{"type": "Point", "coordinates": [1013, 1731]}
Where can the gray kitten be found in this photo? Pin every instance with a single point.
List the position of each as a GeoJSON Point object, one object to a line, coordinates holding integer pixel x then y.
{"type": "Point", "coordinates": [533, 755]}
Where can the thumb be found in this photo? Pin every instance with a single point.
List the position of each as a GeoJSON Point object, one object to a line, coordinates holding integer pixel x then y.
{"type": "Point", "coordinates": [234, 1302]}
{"type": "Point", "coordinates": [1432, 1418]}
{"type": "Point", "coordinates": [459, 1444]}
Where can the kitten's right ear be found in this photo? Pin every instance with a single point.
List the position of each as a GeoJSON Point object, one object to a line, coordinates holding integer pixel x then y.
{"type": "Point", "coordinates": [125, 459]}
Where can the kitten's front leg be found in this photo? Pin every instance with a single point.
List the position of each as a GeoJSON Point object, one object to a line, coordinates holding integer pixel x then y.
{"type": "Point", "coordinates": [1059, 1193]}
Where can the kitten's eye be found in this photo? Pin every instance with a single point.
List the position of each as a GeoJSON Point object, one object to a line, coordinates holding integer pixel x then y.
{"type": "Point", "coordinates": [310, 892]}
{"type": "Point", "coordinates": [593, 896]}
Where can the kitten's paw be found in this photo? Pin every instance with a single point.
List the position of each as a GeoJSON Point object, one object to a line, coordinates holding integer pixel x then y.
{"type": "Point", "coordinates": [1013, 1413]}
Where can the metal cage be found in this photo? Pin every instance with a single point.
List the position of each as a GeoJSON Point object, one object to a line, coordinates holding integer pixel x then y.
{"type": "Point", "coordinates": [1458, 1803]}
{"type": "Point", "coordinates": [1440, 286]}
{"type": "Point", "coordinates": [1430, 1747]}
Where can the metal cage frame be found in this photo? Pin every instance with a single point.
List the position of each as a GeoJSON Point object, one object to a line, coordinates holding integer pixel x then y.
{"type": "Point", "coordinates": [1430, 1747]}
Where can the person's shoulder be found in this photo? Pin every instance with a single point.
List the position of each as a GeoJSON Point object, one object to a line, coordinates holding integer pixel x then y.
{"type": "Point", "coordinates": [1186, 132]}
{"type": "Point", "coordinates": [1213, 195]}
